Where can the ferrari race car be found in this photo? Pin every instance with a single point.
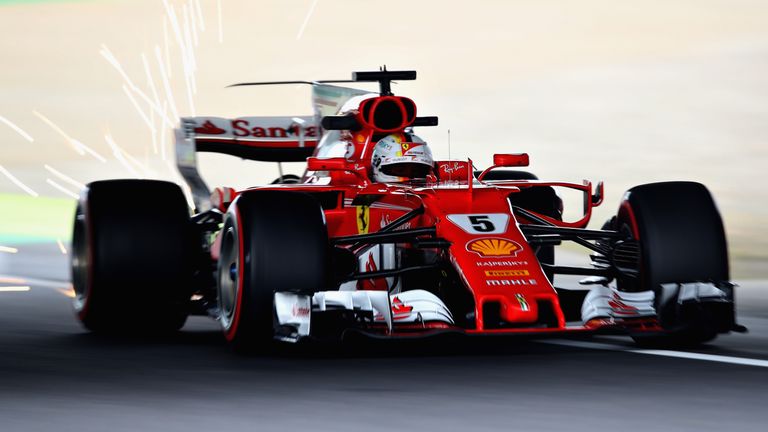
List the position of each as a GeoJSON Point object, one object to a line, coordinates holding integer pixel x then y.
{"type": "Point", "coordinates": [457, 250]}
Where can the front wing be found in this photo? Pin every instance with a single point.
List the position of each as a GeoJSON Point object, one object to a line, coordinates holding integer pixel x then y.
{"type": "Point", "coordinates": [418, 313]}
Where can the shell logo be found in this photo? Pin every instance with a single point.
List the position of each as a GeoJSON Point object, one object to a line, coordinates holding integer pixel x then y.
{"type": "Point", "coordinates": [494, 247]}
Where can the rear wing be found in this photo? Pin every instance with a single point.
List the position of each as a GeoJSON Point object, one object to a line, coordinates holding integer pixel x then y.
{"type": "Point", "coordinates": [268, 139]}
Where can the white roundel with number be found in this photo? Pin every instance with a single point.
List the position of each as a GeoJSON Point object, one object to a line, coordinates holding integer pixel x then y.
{"type": "Point", "coordinates": [481, 223]}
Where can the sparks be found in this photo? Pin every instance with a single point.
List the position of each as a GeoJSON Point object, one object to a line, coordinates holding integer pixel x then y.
{"type": "Point", "coordinates": [89, 150]}
{"type": "Point", "coordinates": [193, 20]}
{"type": "Point", "coordinates": [221, 27]}
{"type": "Point", "coordinates": [64, 177]}
{"type": "Point", "coordinates": [166, 84]}
{"type": "Point", "coordinates": [62, 189]}
{"type": "Point", "coordinates": [111, 59]}
{"type": "Point", "coordinates": [67, 292]}
{"type": "Point", "coordinates": [306, 19]}
{"type": "Point", "coordinates": [13, 280]}
{"type": "Point", "coordinates": [107, 54]}
{"type": "Point", "coordinates": [18, 183]}
{"type": "Point", "coordinates": [79, 147]}
{"type": "Point", "coordinates": [167, 46]}
{"type": "Point", "coordinates": [189, 67]}
{"type": "Point", "coordinates": [18, 130]}
{"type": "Point", "coordinates": [61, 132]}
{"type": "Point", "coordinates": [156, 96]}
{"type": "Point", "coordinates": [189, 44]}
{"type": "Point", "coordinates": [176, 27]}
{"type": "Point", "coordinates": [128, 161]}
{"type": "Point", "coordinates": [190, 36]}
{"type": "Point", "coordinates": [184, 41]}
{"type": "Point", "coordinates": [141, 112]}
{"type": "Point", "coordinates": [199, 15]}
{"type": "Point", "coordinates": [61, 246]}
{"type": "Point", "coordinates": [150, 80]}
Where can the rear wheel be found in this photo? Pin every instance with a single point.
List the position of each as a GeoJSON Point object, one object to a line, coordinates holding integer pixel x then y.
{"type": "Point", "coordinates": [681, 239]}
{"type": "Point", "coordinates": [271, 241]}
{"type": "Point", "coordinates": [132, 257]}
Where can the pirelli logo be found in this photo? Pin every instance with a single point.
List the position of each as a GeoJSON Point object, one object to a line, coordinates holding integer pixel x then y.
{"type": "Point", "coordinates": [506, 273]}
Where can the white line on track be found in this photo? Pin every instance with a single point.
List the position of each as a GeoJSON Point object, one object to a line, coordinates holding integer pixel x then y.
{"type": "Point", "coordinates": [663, 353]}
{"type": "Point", "coordinates": [705, 357]}
{"type": "Point", "coordinates": [14, 289]}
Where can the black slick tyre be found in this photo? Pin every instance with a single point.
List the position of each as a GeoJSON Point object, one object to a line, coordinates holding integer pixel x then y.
{"type": "Point", "coordinates": [681, 238]}
{"type": "Point", "coordinates": [271, 241]}
{"type": "Point", "coordinates": [132, 255]}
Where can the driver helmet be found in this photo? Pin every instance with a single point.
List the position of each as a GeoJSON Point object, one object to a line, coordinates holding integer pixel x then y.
{"type": "Point", "coordinates": [401, 157]}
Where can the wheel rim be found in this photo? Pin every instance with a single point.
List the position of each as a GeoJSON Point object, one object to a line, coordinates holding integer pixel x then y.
{"type": "Point", "coordinates": [80, 264]}
{"type": "Point", "coordinates": [229, 263]}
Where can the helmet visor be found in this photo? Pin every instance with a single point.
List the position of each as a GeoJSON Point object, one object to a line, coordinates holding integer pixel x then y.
{"type": "Point", "coordinates": [409, 170]}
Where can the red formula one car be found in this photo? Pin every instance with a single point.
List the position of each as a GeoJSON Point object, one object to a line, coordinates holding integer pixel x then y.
{"type": "Point", "coordinates": [379, 239]}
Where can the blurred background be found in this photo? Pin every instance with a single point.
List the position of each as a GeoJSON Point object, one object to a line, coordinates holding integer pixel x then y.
{"type": "Point", "coordinates": [626, 92]}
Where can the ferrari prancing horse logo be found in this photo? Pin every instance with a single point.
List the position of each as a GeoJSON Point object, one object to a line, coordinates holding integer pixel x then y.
{"type": "Point", "coordinates": [363, 217]}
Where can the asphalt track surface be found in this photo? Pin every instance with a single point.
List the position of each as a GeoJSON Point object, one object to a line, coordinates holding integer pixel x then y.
{"type": "Point", "coordinates": [56, 376]}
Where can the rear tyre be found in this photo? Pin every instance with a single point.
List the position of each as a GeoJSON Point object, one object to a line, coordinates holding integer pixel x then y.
{"type": "Point", "coordinates": [271, 241]}
{"type": "Point", "coordinates": [132, 257]}
{"type": "Point", "coordinates": [681, 239]}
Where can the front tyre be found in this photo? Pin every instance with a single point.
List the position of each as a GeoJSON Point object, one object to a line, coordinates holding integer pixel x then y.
{"type": "Point", "coordinates": [681, 239]}
{"type": "Point", "coordinates": [272, 241]}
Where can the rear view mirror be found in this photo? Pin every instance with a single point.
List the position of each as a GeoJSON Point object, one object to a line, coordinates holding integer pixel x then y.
{"type": "Point", "coordinates": [504, 160]}
{"type": "Point", "coordinates": [330, 164]}
{"type": "Point", "coordinates": [338, 165]}
{"type": "Point", "coordinates": [511, 160]}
